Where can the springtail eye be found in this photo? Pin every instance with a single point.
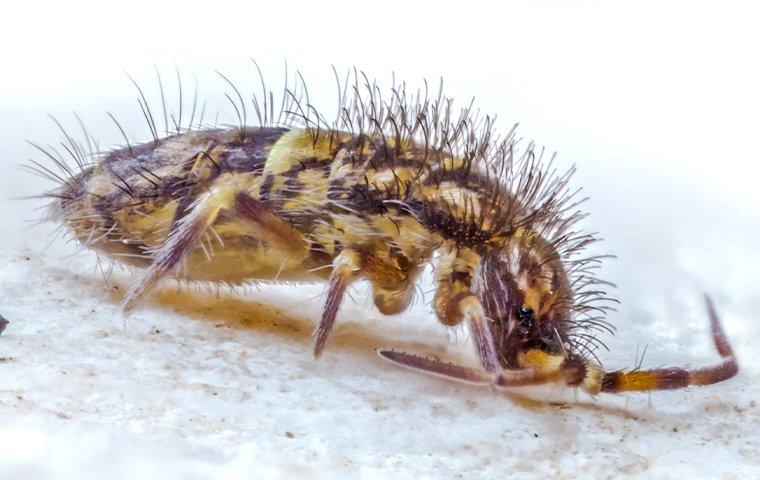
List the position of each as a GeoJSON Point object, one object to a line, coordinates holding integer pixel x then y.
{"type": "Point", "coordinates": [526, 317]}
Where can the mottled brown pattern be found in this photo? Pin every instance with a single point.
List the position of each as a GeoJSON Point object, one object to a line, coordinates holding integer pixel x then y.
{"type": "Point", "coordinates": [274, 203]}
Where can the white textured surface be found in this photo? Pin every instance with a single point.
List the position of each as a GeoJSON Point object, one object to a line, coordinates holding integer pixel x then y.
{"type": "Point", "coordinates": [658, 107]}
{"type": "Point", "coordinates": [196, 386]}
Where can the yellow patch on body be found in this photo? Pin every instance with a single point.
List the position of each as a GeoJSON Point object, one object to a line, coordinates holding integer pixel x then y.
{"type": "Point", "coordinates": [296, 146]}
{"type": "Point", "coordinates": [541, 361]}
{"type": "Point", "coordinates": [312, 195]}
{"type": "Point", "coordinates": [396, 180]}
{"type": "Point", "coordinates": [349, 229]}
{"type": "Point", "coordinates": [150, 226]}
{"type": "Point", "coordinates": [457, 198]}
{"type": "Point", "coordinates": [539, 297]}
{"type": "Point", "coordinates": [414, 241]}
{"type": "Point", "coordinates": [239, 261]}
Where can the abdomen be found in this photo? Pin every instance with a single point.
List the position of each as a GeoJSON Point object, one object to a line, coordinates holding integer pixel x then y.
{"type": "Point", "coordinates": [125, 205]}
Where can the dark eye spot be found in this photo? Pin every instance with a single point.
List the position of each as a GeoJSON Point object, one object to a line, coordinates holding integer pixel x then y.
{"type": "Point", "coordinates": [526, 317]}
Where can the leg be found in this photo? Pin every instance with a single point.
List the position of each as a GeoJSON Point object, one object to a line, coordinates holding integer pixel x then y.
{"type": "Point", "coordinates": [505, 378]}
{"type": "Point", "coordinates": [344, 267]}
{"type": "Point", "coordinates": [455, 303]}
{"type": "Point", "coordinates": [392, 275]}
{"type": "Point", "coordinates": [187, 230]}
{"type": "Point", "coordinates": [391, 302]}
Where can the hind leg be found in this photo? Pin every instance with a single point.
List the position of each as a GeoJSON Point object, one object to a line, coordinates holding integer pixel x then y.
{"type": "Point", "coordinates": [229, 197]}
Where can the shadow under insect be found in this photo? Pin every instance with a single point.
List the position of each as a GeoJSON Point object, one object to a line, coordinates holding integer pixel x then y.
{"type": "Point", "coordinates": [282, 324]}
{"type": "Point", "coordinates": [226, 309]}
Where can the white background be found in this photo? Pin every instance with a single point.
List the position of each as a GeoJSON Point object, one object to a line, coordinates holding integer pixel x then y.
{"type": "Point", "coordinates": [658, 106]}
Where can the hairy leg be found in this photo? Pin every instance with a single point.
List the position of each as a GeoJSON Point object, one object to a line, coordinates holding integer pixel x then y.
{"type": "Point", "coordinates": [185, 233]}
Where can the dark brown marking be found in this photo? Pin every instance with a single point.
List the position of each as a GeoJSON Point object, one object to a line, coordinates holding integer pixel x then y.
{"type": "Point", "coordinates": [464, 277]}
{"type": "Point", "coordinates": [360, 197]}
{"type": "Point", "coordinates": [311, 163]}
{"type": "Point", "coordinates": [436, 218]}
{"type": "Point", "coordinates": [719, 335]}
{"type": "Point", "coordinates": [575, 370]}
{"type": "Point", "coordinates": [268, 224]}
{"type": "Point", "coordinates": [266, 186]}
{"type": "Point", "coordinates": [251, 154]}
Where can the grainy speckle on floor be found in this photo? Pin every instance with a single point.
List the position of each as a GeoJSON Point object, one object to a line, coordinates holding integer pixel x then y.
{"type": "Point", "coordinates": [196, 383]}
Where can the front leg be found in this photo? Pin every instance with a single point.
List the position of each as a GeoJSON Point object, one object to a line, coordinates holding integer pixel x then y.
{"type": "Point", "coordinates": [455, 302]}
